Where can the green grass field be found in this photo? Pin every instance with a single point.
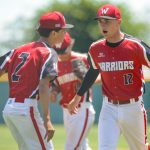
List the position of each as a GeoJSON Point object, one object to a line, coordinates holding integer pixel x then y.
{"type": "Point", "coordinates": [8, 143]}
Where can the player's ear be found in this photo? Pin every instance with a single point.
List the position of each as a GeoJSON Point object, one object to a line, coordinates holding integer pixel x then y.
{"type": "Point", "coordinates": [119, 21]}
{"type": "Point", "coordinates": [53, 33]}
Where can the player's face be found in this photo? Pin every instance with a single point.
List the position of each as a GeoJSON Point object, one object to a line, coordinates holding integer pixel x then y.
{"type": "Point", "coordinates": [109, 28]}
{"type": "Point", "coordinates": [60, 35]}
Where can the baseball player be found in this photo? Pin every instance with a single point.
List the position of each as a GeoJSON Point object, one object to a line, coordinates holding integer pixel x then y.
{"type": "Point", "coordinates": [118, 58]}
{"type": "Point", "coordinates": [31, 67]}
{"type": "Point", "coordinates": [72, 67]}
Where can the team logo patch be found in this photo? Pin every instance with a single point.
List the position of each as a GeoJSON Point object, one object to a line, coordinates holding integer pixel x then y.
{"type": "Point", "coordinates": [101, 55]}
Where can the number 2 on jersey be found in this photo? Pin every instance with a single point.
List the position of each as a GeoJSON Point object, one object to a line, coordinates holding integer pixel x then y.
{"type": "Point", "coordinates": [15, 77]}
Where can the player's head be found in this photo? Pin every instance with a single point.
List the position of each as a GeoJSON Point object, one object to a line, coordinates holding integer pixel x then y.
{"type": "Point", "coordinates": [53, 22]}
{"type": "Point", "coordinates": [109, 18]}
{"type": "Point", "coordinates": [66, 46]}
{"type": "Point", "coordinates": [108, 11]}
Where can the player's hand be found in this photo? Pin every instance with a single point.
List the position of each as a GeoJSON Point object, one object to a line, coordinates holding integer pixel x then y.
{"type": "Point", "coordinates": [53, 97]}
{"type": "Point", "coordinates": [49, 131]}
{"type": "Point", "coordinates": [73, 105]}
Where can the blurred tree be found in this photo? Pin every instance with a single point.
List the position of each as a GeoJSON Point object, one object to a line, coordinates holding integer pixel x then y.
{"type": "Point", "coordinates": [81, 14]}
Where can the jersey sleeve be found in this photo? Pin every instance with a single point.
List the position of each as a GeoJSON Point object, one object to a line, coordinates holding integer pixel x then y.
{"type": "Point", "coordinates": [144, 54]}
{"type": "Point", "coordinates": [5, 60]}
{"type": "Point", "coordinates": [91, 59]}
{"type": "Point", "coordinates": [50, 67]}
{"type": "Point", "coordinates": [145, 59]}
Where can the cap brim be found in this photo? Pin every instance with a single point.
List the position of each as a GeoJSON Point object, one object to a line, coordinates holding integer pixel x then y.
{"type": "Point", "coordinates": [68, 26]}
{"type": "Point", "coordinates": [105, 17]}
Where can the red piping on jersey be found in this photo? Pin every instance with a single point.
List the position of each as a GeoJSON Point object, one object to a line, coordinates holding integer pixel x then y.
{"type": "Point", "coordinates": [84, 127]}
{"type": "Point", "coordinates": [37, 129]}
{"type": "Point", "coordinates": [145, 125]}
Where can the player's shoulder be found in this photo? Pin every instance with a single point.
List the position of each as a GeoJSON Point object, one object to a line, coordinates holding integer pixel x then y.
{"type": "Point", "coordinates": [41, 47]}
{"type": "Point", "coordinates": [132, 38]}
{"type": "Point", "coordinates": [136, 41]}
{"type": "Point", "coordinates": [45, 47]}
{"type": "Point", "coordinates": [35, 48]}
{"type": "Point", "coordinates": [27, 47]}
{"type": "Point", "coordinates": [22, 48]}
{"type": "Point", "coordinates": [98, 43]}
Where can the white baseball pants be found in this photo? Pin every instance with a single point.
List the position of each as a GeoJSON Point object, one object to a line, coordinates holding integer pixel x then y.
{"type": "Point", "coordinates": [126, 119]}
{"type": "Point", "coordinates": [77, 127]}
{"type": "Point", "coordinates": [26, 125]}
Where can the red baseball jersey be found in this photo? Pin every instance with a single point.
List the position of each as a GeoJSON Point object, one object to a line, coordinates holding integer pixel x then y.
{"type": "Point", "coordinates": [26, 65]}
{"type": "Point", "coordinates": [121, 67]}
{"type": "Point", "coordinates": [67, 80]}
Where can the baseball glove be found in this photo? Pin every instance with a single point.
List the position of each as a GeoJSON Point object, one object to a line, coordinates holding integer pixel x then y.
{"type": "Point", "coordinates": [79, 68]}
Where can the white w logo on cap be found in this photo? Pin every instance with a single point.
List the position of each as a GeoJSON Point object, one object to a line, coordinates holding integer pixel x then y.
{"type": "Point", "coordinates": [104, 11]}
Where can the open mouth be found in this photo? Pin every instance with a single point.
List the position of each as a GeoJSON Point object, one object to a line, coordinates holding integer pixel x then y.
{"type": "Point", "coordinates": [105, 32]}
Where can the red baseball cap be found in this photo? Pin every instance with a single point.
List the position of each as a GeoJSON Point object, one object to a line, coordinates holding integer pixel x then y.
{"type": "Point", "coordinates": [108, 11]}
{"type": "Point", "coordinates": [68, 42]}
{"type": "Point", "coordinates": [53, 20]}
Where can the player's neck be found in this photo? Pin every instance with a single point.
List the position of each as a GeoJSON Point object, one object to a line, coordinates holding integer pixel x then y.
{"type": "Point", "coordinates": [45, 41]}
{"type": "Point", "coordinates": [115, 38]}
{"type": "Point", "coordinates": [64, 57]}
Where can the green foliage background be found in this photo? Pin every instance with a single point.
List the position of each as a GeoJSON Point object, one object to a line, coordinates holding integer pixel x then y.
{"type": "Point", "coordinates": [81, 14]}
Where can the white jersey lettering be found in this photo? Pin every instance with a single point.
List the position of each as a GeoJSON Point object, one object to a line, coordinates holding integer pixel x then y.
{"type": "Point", "coordinates": [66, 78]}
{"type": "Point", "coordinates": [117, 66]}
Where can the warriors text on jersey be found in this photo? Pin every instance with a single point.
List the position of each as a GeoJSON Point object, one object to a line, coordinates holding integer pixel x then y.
{"type": "Point", "coordinates": [119, 66]}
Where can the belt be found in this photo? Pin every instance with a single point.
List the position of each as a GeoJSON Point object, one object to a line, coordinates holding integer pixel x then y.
{"type": "Point", "coordinates": [27, 101]}
{"type": "Point", "coordinates": [120, 102]}
{"type": "Point", "coordinates": [20, 100]}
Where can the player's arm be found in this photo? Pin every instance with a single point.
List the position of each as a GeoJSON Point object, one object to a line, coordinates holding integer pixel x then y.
{"type": "Point", "coordinates": [4, 61]}
{"type": "Point", "coordinates": [98, 79]}
{"type": "Point", "coordinates": [88, 81]}
{"type": "Point", "coordinates": [48, 75]}
{"type": "Point", "coordinates": [147, 50]}
{"type": "Point", "coordinates": [54, 91]}
{"type": "Point", "coordinates": [44, 102]}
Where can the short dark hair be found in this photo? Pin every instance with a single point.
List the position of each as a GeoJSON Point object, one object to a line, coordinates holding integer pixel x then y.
{"type": "Point", "coordinates": [45, 32]}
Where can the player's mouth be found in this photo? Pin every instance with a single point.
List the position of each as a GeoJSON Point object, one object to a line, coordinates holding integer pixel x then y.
{"type": "Point", "coordinates": [105, 32]}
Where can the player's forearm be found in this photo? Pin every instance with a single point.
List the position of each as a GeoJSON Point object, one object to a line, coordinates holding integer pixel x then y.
{"type": "Point", "coordinates": [44, 99]}
{"type": "Point", "coordinates": [88, 81]}
{"type": "Point", "coordinates": [53, 97]}
{"type": "Point", "coordinates": [98, 79]}
{"type": "Point", "coordinates": [77, 98]}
